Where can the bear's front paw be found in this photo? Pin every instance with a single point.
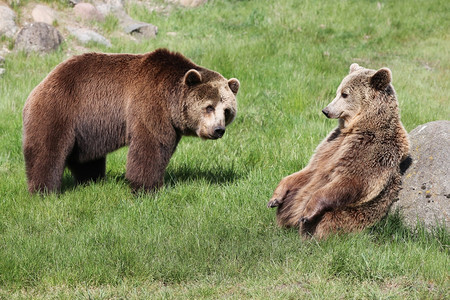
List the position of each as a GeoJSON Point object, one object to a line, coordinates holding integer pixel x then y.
{"type": "Point", "coordinates": [274, 202]}
{"type": "Point", "coordinates": [310, 212]}
{"type": "Point", "coordinates": [278, 197]}
{"type": "Point", "coordinates": [305, 219]}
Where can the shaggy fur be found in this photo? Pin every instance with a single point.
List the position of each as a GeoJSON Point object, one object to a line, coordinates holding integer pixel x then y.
{"type": "Point", "coordinates": [95, 103]}
{"type": "Point", "coordinates": [354, 175]}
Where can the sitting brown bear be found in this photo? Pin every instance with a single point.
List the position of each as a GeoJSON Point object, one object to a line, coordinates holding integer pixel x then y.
{"type": "Point", "coordinates": [93, 104]}
{"type": "Point", "coordinates": [354, 175]}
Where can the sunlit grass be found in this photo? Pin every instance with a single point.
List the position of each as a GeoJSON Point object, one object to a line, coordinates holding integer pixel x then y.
{"type": "Point", "coordinates": [208, 233]}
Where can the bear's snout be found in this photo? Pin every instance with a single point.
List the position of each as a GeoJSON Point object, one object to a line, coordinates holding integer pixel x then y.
{"type": "Point", "coordinates": [219, 132]}
{"type": "Point", "coordinates": [326, 112]}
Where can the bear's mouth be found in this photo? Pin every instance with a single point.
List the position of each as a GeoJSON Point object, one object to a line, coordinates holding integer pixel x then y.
{"type": "Point", "coordinates": [215, 134]}
{"type": "Point", "coordinates": [208, 136]}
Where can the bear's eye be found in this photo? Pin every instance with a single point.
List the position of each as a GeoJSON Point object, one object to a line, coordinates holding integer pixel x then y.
{"type": "Point", "coordinates": [344, 95]}
{"type": "Point", "coordinates": [209, 109]}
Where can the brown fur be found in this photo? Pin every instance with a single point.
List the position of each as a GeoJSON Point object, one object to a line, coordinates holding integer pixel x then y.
{"type": "Point", "coordinates": [354, 175]}
{"type": "Point", "coordinates": [95, 103]}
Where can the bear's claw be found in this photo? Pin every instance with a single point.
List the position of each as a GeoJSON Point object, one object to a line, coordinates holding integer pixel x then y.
{"type": "Point", "coordinates": [273, 203]}
{"type": "Point", "coordinates": [303, 220]}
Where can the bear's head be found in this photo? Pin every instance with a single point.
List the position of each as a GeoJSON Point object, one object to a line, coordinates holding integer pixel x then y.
{"type": "Point", "coordinates": [209, 103]}
{"type": "Point", "coordinates": [361, 91]}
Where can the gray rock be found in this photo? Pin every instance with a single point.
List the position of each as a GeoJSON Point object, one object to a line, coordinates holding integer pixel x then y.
{"type": "Point", "coordinates": [2, 71]}
{"type": "Point", "coordinates": [128, 24]}
{"type": "Point", "coordinates": [88, 12]}
{"type": "Point", "coordinates": [425, 194]}
{"type": "Point", "coordinates": [8, 25]}
{"type": "Point", "coordinates": [135, 28]}
{"type": "Point", "coordinates": [44, 14]}
{"type": "Point", "coordinates": [109, 6]}
{"type": "Point", "coordinates": [142, 30]}
{"type": "Point", "coordinates": [86, 35]}
{"type": "Point", "coordinates": [38, 37]}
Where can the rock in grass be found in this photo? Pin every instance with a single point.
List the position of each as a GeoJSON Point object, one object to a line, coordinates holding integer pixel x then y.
{"type": "Point", "coordinates": [129, 25]}
{"type": "Point", "coordinates": [86, 35]}
{"type": "Point", "coordinates": [88, 12]}
{"type": "Point", "coordinates": [425, 194]}
{"type": "Point", "coordinates": [73, 2]}
{"type": "Point", "coordinates": [38, 37]}
{"type": "Point", "coordinates": [141, 30]}
{"type": "Point", "coordinates": [8, 25]}
{"type": "Point", "coordinates": [109, 6]}
{"type": "Point", "coordinates": [44, 14]}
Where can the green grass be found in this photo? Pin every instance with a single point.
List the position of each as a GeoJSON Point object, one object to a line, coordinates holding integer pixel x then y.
{"type": "Point", "coordinates": [208, 233]}
{"type": "Point", "coordinates": [110, 24]}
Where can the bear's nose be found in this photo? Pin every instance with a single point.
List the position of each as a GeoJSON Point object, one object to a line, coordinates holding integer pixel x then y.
{"type": "Point", "coordinates": [219, 131]}
{"type": "Point", "coordinates": [325, 112]}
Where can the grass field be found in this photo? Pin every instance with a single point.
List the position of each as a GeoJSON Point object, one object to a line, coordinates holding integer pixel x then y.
{"type": "Point", "coordinates": [208, 233]}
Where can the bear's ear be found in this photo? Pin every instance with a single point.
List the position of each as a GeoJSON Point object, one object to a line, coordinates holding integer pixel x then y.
{"type": "Point", "coordinates": [234, 84]}
{"type": "Point", "coordinates": [192, 77]}
{"type": "Point", "coordinates": [354, 67]}
{"type": "Point", "coordinates": [381, 79]}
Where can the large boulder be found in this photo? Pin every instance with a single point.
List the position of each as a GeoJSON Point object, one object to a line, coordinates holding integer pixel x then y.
{"type": "Point", "coordinates": [38, 37]}
{"type": "Point", "coordinates": [8, 25]}
{"type": "Point", "coordinates": [425, 194]}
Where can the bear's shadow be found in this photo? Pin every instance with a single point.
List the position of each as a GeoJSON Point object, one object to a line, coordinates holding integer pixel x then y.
{"type": "Point", "coordinates": [185, 173]}
{"type": "Point", "coordinates": [405, 164]}
{"type": "Point", "coordinates": [172, 177]}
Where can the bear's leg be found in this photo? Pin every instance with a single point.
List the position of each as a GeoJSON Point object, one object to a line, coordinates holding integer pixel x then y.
{"type": "Point", "coordinates": [356, 218]}
{"type": "Point", "coordinates": [88, 171]}
{"type": "Point", "coordinates": [43, 173]}
{"type": "Point", "coordinates": [342, 191]}
{"type": "Point", "coordinates": [289, 212]}
{"type": "Point", "coordinates": [148, 157]}
{"type": "Point", "coordinates": [145, 168]}
{"type": "Point", "coordinates": [289, 185]}
{"type": "Point", "coordinates": [44, 163]}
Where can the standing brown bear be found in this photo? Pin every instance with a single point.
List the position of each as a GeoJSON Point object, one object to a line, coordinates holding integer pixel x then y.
{"type": "Point", "coordinates": [354, 175]}
{"type": "Point", "coordinates": [93, 104]}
